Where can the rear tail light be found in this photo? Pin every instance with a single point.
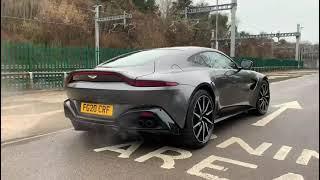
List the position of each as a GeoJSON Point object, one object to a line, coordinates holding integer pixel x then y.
{"type": "Point", "coordinates": [102, 76]}
{"type": "Point", "coordinates": [146, 114]}
{"type": "Point", "coordinates": [150, 83]}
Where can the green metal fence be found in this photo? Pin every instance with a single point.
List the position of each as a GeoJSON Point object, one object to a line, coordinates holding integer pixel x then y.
{"type": "Point", "coordinates": [39, 58]}
{"type": "Point", "coordinates": [32, 80]}
{"type": "Point", "coordinates": [268, 64]}
{"type": "Point", "coordinates": [29, 66]}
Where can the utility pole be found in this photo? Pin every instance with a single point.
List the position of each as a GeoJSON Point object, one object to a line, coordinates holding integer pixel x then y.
{"type": "Point", "coordinates": [212, 38]}
{"type": "Point", "coordinates": [217, 46]}
{"type": "Point", "coordinates": [96, 25]}
{"type": "Point", "coordinates": [186, 14]}
{"type": "Point", "coordinates": [221, 7]}
{"type": "Point", "coordinates": [298, 37]}
{"type": "Point", "coordinates": [233, 29]}
{"type": "Point", "coordinates": [124, 19]}
{"type": "Point", "coordinates": [97, 19]}
{"type": "Point", "coordinates": [272, 48]}
{"type": "Point", "coordinates": [312, 52]}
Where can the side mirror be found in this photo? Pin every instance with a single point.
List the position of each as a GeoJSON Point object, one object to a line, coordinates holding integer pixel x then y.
{"type": "Point", "coordinates": [246, 64]}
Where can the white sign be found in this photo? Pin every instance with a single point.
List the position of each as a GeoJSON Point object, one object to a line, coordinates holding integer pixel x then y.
{"type": "Point", "coordinates": [192, 10]}
{"type": "Point", "coordinates": [112, 18]}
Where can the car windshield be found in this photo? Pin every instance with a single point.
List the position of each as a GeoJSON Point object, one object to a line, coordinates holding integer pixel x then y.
{"type": "Point", "coordinates": [138, 58]}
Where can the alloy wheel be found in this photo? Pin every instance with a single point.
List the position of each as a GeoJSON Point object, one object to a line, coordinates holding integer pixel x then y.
{"type": "Point", "coordinates": [264, 98]}
{"type": "Point", "coordinates": [202, 119]}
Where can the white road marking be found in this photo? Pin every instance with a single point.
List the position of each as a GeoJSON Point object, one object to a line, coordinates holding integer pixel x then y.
{"type": "Point", "coordinates": [124, 153]}
{"type": "Point", "coordinates": [213, 136]}
{"type": "Point", "coordinates": [35, 114]}
{"type": "Point", "coordinates": [282, 153]}
{"type": "Point", "coordinates": [168, 160]}
{"type": "Point", "coordinates": [14, 106]}
{"type": "Point", "coordinates": [264, 121]}
{"type": "Point", "coordinates": [306, 155]}
{"type": "Point", "coordinates": [290, 176]}
{"type": "Point", "coordinates": [207, 163]}
{"type": "Point", "coordinates": [258, 151]}
{"type": "Point", "coordinates": [33, 137]}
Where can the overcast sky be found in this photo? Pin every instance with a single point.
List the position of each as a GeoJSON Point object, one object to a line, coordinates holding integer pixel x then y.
{"type": "Point", "coordinates": [255, 16]}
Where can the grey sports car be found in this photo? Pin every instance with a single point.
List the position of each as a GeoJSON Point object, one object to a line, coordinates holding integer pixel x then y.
{"type": "Point", "coordinates": [181, 91]}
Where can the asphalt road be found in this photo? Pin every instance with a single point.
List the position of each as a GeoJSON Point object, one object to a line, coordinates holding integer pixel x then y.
{"type": "Point", "coordinates": [282, 144]}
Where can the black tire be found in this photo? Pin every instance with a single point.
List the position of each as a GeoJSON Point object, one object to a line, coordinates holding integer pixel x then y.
{"type": "Point", "coordinates": [189, 135]}
{"type": "Point", "coordinates": [263, 99]}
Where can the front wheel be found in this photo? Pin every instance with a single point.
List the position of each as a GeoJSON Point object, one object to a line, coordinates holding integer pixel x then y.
{"type": "Point", "coordinates": [263, 99]}
{"type": "Point", "coordinates": [199, 121]}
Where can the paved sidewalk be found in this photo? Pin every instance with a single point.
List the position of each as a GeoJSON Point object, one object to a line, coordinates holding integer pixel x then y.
{"type": "Point", "coordinates": [283, 75]}
{"type": "Point", "coordinates": [32, 114]}
{"type": "Point", "coordinates": [37, 112]}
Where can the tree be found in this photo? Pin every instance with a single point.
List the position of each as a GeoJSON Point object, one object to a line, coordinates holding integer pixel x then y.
{"type": "Point", "coordinates": [181, 4]}
{"type": "Point", "coordinates": [164, 7]}
{"type": "Point", "coordinates": [146, 5]}
{"type": "Point", "coordinates": [178, 6]}
{"type": "Point", "coordinates": [243, 33]}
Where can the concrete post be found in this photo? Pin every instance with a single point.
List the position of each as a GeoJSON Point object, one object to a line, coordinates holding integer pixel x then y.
{"type": "Point", "coordinates": [31, 79]}
{"type": "Point", "coordinates": [65, 75]}
{"type": "Point", "coordinates": [233, 29]}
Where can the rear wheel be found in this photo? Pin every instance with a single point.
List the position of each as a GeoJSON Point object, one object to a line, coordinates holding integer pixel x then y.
{"type": "Point", "coordinates": [263, 99]}
{"type": "Point", "coordinates": [199, 121]}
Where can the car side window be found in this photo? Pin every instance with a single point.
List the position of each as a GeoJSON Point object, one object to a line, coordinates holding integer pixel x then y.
{"type": "Point", "coordinates": [199, 60]}
{"type": "Point", "coordinates": [219, 61]}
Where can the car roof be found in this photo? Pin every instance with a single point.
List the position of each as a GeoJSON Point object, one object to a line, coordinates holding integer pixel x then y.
{"type": "Point", "coordinates": [190, 50]}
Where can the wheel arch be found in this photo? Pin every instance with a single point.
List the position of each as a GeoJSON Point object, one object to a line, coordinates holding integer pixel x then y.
{"type": "Point", "coordinates": [265, 78]}
{"type": "Point", "coordinates": [204, 86]}
{"type": "Point", "coordinates": [210, 89]}
{"type": "Point", "coordinates": [254, 103]}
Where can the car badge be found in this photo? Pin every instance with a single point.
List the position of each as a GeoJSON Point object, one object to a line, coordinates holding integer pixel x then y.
{"type": "Point", "coordinates": [92, 76]}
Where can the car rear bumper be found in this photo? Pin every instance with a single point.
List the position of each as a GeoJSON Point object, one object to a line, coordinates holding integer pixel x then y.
{"type": "Point", "coordinates": [129, 121]}
{"type": "Point", "coordinates": [173, 100]}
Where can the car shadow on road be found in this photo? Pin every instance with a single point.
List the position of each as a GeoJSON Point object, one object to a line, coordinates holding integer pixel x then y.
{"type": "Point", "coordinates": [238, 120]}
{"type": "Point", "coordinates": [103, 138]}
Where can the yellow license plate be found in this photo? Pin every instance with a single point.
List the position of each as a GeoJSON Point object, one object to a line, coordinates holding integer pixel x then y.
{"type": "Point", "coordinates": [96, 109]}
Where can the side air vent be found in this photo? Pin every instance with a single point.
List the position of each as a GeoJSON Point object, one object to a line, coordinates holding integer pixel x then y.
{"type": "Point", "coordinates": [254, 84]}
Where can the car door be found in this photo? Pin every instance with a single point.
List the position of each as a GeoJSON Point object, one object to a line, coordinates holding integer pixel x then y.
{"type": "Point", "coordinates": [219, 76]}
{"type": "Point", "coordinates": [234, 81]}
{"type": "Point", "coordinates": [240, 79]}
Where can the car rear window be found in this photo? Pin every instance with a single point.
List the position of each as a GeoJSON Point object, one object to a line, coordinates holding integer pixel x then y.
{"type": "Point", "coordinates": [139, 58]}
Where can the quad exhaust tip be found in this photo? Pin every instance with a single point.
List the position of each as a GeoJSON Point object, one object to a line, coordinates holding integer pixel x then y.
{"type": "Point", "coordinates": [146, 123]}
{"type": "Point", "coordinates": [147, 119]}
